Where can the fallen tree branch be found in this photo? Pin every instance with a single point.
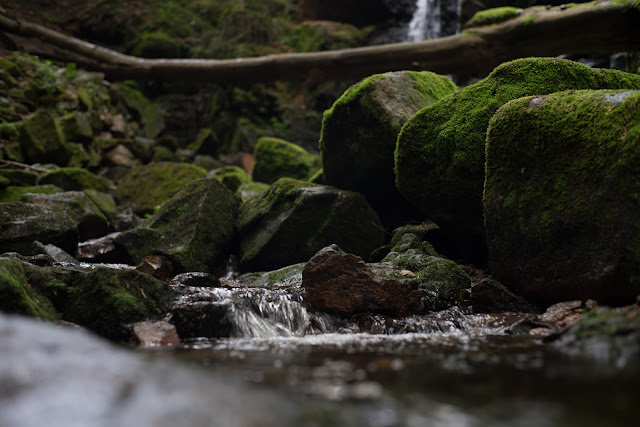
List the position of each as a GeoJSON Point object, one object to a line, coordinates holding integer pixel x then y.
{"type": "Point", "coordinates": [600, 28]}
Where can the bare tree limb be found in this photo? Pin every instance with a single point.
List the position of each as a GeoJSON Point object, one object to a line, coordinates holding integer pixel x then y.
{"type": "Point", "coordinates": [608, 26]}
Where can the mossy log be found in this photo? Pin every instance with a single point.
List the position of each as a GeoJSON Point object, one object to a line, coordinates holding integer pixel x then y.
{"type": "Point", "coordinates": [607, 26]}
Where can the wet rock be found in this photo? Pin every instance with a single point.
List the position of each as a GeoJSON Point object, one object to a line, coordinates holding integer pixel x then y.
{"type": "Point", "coordinates": [248, 191]}
{"type": "Point", "coordinates": [149, 113]}
{"type": "Point", "coordinates": [360, 130]}
{"type": "Point", "coordinates": [19, 177]}
{"type": "Point", "coordinates": [277, 158]}
{"type": "Point", "coordinates": [89, 219]}
{"type": "Point", "coordinates": [560, 203]}
{"type": "Point", "coordinates": [75, 179]}
{"type": "Point", "coordinates": [440, 154]}
{"type": "Point", "coordinates": [68, 366]}
{"type": "Point", "coordinates": [491, 296]}
{"type": "Point", "coordinates": [55, 253]}
{"type": "Point", "coordinates": [287, 277]}
{"type": "Point", "coordinates": [193, 229]}
{"type": "Point", "coordinates": [76, 127]}
{"type": "Point", "coordinates": [231, 176]}
{"type": "Point", "coordinates": [120, 155]}
{"type": "Point", "coordinates": [607, 335]}
{"type": "Point", "coordinates": [146, 187]}
{"type": "Point", "coordinates": [101, 249]}
{"type": "Point", "coordinates": [341, 283]}
{"type": "Point", "coordinates": [295, 219]}
{"type": "Point", "coordinates": [42, 141]}
{"type": "Point", "coordinates": [156, 266]}
{"type": "Point", "coordinates": [155, 334]}
{"type": "Point", "coordinates": [23, 223]}
{"type": "Point", "coordinates": [17, 295]}
{"type": "Point", "coordinates": [202, 319]}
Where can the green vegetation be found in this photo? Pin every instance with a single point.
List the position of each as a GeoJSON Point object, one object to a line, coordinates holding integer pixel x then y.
{"type": "Point", "coordinates": [493, 16]}
{"type": "Point", "coordinates": [277, 158]}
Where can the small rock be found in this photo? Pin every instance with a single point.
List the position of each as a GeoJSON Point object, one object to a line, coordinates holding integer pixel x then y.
{"type": "Point", "coordinates": [156, 266]}
{"type": "Point", "coordinates": [155, 334]}
{"type": "Point", "coordinates": [195, 279]}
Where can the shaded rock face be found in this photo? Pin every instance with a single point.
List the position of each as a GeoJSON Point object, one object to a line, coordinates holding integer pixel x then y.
{"type": "Point", "coordinates": [42, 141]}
{"type": "Point", "coordinates": [440, 154]}
{"type": "Point", "coordinates": [23, 223]}
{"type": "Point", "coordinates": [146, 187]}
{"type": "Point", "coordinates": [295, 219]}
{"type": "Point", "coordinates": [359, 134]}
{"type": "Point", "coordinates": [341, 283]}
{"type": "Point", "coordinates": [90, 221]}
{"type": "Point", "coordinates": [75, 179]}
{"type": "Point", "coordinates": [277, 158]}
{"type": "Point", "coordinates": [124, 388]}
{"type": "Point", "coordinates": [193, 229]}
{"type": "Point", "coordinates": [356, 12]}
{"type": "Point", "coordinates": [560, 202]}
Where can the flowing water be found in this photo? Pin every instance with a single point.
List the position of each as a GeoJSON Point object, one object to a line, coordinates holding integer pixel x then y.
{"type": "Point", "coordinates": [449, 368]}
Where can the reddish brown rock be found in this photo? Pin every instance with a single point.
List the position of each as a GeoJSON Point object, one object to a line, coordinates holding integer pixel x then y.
{"type": "Point", "coordinates": [341, 283]}
{"type": "Point", "coordinates": [155, 334]}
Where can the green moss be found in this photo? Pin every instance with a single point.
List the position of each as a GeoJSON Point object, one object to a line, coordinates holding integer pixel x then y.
{"type": "Point", "coordinates": [231, 176]}
{"type": "Point", "coordinates": [251, 190]}
{"type": "Point", "coordinates": [493, 16]}
{"type": "Point", "coordinates": [143, 109]}
{"type": "Point", "coordinates": [443, 282]}
{"type": "Point", "coordinates": [75, 179]}
{"type": "Point", "coordinates": [19, 176]}
{"type": "Point", "coordinates": [14, 193]}
{"type": "Point", "coordinates": [104, 201]}
{"type": "Point", "coordinates": [440, 155]}
{"type": "Point", "coordinates": [277, 158]}
{"type": "Point", "coordinates": [146, 187]}
{"type": "Point", "coordinates": [528, 20]}
{"type": "Point", "coordinates": [18, 296]}
{"type": "Point", "coordinates": [42, 141]}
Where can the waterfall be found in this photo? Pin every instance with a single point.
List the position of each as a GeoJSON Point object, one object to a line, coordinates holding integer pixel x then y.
{"type": "Point", "coordinates": [426, 21]}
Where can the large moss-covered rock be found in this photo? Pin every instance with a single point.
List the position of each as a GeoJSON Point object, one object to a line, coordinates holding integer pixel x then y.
{"type": "Point", "coordinates": [277, 158]}
{"type": "Point", "coordinates": [76, 126]}
{"type": "Point", "coordinates": [193, 229]}
{"type": "Point", "coordinates": [23, 223]}
{"type": "Point", "coordinates": [75, 179]}
{"type": "Point", "coordinates": [19, 176]}
{"type": "Point", "coordinates": [561, 197]}
{"type": "Point", "coordinates": [89, 219]}
{"type": "Point", "coordinates": [103, 299]}
{"type": "Point", "coordinates": [231, 176]}
{"type": "Point", "coordinates": [42, 141]}
{"type": "Point", "coordinates": [360, 130]}
{"type": "Point", "coordinates": [146, 187]}
{"type": "Point", "coordinates": [440, 154]}
{"type": "Point", "coordinates": [295, 219]}
{"type": "Point", "coordinates": [142, 108]}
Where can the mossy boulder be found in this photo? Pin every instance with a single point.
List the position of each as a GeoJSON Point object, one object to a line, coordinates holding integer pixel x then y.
{"type": "Point", "coordinates": [250, 190]}
{"type": "Point", "coordinates": [42, 141]}
{"type": "Point", "coordinates": [231, 176]}
{"type": "Point", "coordinates": [89, 219]}
{"type": "Point", "coordinates": [277, 158]}
{"type": "Point", "coordinates": [19, 177]}
{"type": "Point", "coordinates": [146, 187]}
{"type": "Point", "coordinates": [13, 193]}
{"type": "Point", "coordinates": [106, 300]}
{"type": "Point", "coordinates": [360, 130]}
{"type": "Point", "coordinates": [141, 107]}
{"type": "Point", "coordinates": [18, 296]}
{"type": "Point", "coordinates": [560, 203]}
{"type": "Point", "coordinates": [295, 219]}
{"type": "Point", "coordinates": [75, 179]}
{"type": "Point", "coordinates": [76, 126]}
{"type": "Point", "coordinates": [193, 229]}
{"type": "Point", "coordinates": [440, 153]}
{"type": "Point", "coordinates": [23, 223]}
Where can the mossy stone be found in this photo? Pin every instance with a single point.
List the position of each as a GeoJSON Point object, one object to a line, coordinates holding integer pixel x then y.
{"type": "Point", "coordinates": [18, 296]}
{"type": "Point", "coordinates": [440, 155]}
{"type": "Point", "coordinates": [148, 186]}
{"type": "Point", "coordinates": [42, 141]}
{"type": "Point", "coordinates": [295, 219]}
{"type": "Point", "coordinates": [14, 193]}
{"type": "Point", "coordinates": [76, 127]}
{"type": "Point", "coordinates": [360, 130]}
{"type": "Point", "coordinates": [560, 201]}
{"type": "Point", "coordinates": [277, 158]}
{"type": "Point", "coordinates": [75, 179]}
{"type": "Point", "coordinates": [104, 201]}
{"type": "Point", "coordinates": [146, 111]}
{"type": "Point", "coordinates": [23, 223]}
{"type": "Point", "coordinates": [250, 190]}
{"type": "Point", "coordinates": [193, 229]}
{"type": "Point", "coordinates": [231, 176]}
{"type": "Point", "coordinates": [19, 176]}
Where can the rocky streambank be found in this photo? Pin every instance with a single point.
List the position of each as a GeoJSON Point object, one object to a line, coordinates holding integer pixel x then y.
{"type": "Point", "coordinates": [511, 203]}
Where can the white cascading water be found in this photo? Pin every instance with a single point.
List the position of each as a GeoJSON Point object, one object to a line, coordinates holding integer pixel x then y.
{"type": "Point", "coordinates": [425, 23]}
